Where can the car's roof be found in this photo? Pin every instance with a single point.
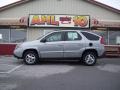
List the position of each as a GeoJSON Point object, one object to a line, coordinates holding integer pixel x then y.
{"type": "Point", "coordinates": [77, 31]}
{"type": "Point", "coordinates": [72, 30]}
{"type": "Point", "coordinates": [65, 30]}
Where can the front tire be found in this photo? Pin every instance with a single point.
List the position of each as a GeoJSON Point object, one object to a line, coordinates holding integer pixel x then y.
{"type": "Point", "coordinates": [30, 57]}
{"type": "Point", "coordinates": [89, 58]}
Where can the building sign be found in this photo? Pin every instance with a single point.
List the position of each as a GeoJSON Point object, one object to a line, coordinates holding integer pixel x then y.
{"type": "Point", "coordinates": [80, 21]}
{"type": "Point", "coordinates": [105, 23]}
{"type": "Point", "coordinates": [23, 21]}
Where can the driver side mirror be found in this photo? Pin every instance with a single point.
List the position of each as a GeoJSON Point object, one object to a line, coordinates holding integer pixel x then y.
{"type": "Point", "coordinates": [43, 40]}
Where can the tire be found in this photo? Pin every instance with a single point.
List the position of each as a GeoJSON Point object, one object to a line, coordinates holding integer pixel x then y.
{"type": "Point", "coordinates": [89, 58]}
{"type": "Point", "coordinates": [30, 57]}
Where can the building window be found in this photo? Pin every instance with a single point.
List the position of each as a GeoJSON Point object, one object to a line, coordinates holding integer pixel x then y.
{"type": "Point", "coordinates": [4, 35]}
{"type": "Point", "coordinates": [12, 35]}
{"type": "Point", "coordinates": [114, 37]}
{"type": "Point", "coordinates": [18, 35]}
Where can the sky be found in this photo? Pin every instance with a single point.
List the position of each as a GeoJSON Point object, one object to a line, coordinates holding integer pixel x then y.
{"type": "Point", "coordinates": [113, 3]}
{"type": "Point", "coordinates": [6, 2]}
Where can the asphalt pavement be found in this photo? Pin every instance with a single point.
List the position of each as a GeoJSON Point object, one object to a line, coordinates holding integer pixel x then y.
{"type": "Point", "coordinates": [59, 75]}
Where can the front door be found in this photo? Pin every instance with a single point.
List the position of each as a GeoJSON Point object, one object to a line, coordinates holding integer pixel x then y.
{"type": "Point", "coordinates": [53, 46]}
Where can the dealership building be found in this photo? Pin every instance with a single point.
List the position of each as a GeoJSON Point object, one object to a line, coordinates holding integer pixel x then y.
{"type": "Point", "coordinates": [26, 20]}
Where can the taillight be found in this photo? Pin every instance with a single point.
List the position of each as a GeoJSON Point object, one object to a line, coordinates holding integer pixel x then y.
{"type": "Point", "coordinates": [102, 40]}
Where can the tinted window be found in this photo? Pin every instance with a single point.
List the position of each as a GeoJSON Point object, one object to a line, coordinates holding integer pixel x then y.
{"type": "Point", "coordinates": [90, 36]}
{"type": "Point", "coordinates": [71, 36]}
{"type": "Point", "coordinates": [57, 36]}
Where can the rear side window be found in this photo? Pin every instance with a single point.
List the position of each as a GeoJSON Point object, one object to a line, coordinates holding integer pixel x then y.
{"type": "Point", "coordinates": [72, 36]}
{"type": "Point", "coordinates": [90, 36]}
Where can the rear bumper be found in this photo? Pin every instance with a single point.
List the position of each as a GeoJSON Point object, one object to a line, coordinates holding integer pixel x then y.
{"type": "Point", "coordinates": [103, 55]}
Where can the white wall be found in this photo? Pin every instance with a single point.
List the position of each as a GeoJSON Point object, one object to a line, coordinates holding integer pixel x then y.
{"type": "Point", "coordinates": [80, 7]}
{"type": "Point", "coordinates": [34, 33]}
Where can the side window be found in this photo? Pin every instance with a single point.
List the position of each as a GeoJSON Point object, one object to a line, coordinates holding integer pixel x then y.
{"type": "Point", "coordinates": [90, 36]}
{"type": "Point", "coordinates": [71, 36]}
{"type": "Point", "coordinates": [57, 36]}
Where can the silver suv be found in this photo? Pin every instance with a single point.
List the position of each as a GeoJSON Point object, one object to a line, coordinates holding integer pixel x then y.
{"type": "Point", "coordinates": [64, 44]}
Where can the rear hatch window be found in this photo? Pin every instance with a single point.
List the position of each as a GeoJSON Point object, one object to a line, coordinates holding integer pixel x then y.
{"type": "Point", "coordinates": [90, 36]}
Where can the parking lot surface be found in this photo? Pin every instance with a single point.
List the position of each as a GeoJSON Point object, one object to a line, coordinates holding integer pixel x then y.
{"type": "Point", "coordinates": [59, 75]}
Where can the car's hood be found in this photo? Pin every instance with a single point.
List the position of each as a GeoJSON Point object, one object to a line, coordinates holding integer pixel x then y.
{"type": "Point", "coordinates": [30, 43]}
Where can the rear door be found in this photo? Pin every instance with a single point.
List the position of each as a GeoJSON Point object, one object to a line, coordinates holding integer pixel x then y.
{"type": "Point", "coordinates": [73, 44]}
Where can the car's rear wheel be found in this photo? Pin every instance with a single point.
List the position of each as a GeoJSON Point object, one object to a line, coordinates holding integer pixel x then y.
{"type": "Point", "coordinates": [30, 57]}
{"type": "Point", "coordinates": [89, 58]}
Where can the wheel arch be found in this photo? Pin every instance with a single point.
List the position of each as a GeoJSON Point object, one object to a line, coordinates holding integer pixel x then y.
{"type": "Point", "coordinates": [31, 49]}
{"type": "Point", "coordinates": [90, 50]}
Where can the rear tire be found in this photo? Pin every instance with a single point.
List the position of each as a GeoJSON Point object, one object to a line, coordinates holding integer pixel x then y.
{"type": "Point", "coordinates": [89, 58]}
{"type": "Point", "coordinates": [30, 57]}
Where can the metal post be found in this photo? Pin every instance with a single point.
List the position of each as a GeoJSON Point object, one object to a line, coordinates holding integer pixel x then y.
{"type": "Point", "coordinates": [10, 35]}
{"type": "Point", "coordinates": [108, 35]}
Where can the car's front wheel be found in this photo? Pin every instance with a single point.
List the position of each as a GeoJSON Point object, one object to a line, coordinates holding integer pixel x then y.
{"type": "Point", "coordinates": [30, 57]}
{"type": "Point", "coordinates": [89, 58]}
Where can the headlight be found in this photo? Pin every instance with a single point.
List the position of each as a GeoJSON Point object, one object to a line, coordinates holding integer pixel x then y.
{"type": "Point", "coordinates": [17, 46]}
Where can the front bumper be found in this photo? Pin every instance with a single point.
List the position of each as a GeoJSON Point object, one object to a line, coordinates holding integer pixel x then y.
{"type": "Point", "coordinates": [18, 53]}
{"type": "Point", "coordinates": [17, 56]}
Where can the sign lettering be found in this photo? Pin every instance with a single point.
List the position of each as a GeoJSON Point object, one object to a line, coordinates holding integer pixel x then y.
{"type": "Point", "coordinates": [59, 21]}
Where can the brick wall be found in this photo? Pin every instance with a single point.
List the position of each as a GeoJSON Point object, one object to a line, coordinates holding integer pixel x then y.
{"type": "Point", "coordinates": [7, 49]}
